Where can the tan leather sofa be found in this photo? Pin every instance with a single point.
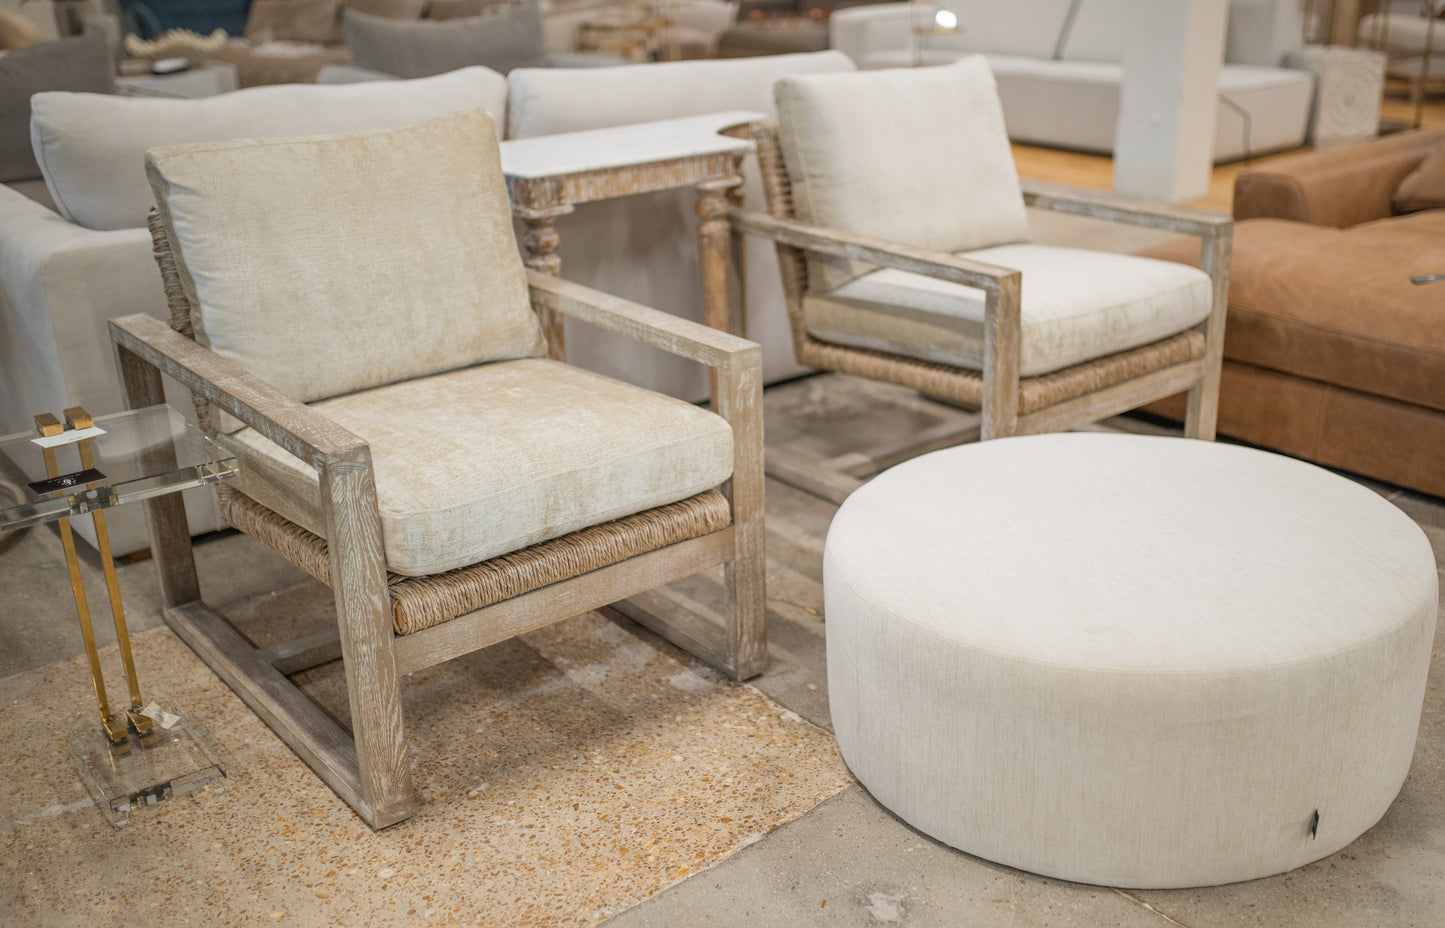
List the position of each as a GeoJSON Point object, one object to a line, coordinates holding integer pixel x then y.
{"type": "Point", "coordinates": [1331, 353]}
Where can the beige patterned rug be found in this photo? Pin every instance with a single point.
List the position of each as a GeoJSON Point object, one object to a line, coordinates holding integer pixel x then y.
{"type": "Point", "coordinates": [565, 776]}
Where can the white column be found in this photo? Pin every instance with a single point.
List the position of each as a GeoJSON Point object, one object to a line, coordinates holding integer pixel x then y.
{"type": "Point", "coordinates": [1164, 141]}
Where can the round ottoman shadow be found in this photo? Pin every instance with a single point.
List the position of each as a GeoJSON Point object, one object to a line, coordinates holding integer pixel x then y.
{"type": "Point", "coordinates": [1125, 660]}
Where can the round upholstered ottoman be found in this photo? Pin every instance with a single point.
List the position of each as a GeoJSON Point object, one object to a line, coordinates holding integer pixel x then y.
{"type": "Point", "coordinates": [1140, 662]}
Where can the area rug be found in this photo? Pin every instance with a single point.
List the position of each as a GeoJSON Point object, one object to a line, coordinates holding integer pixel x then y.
{"type": "Point", "coordinates": [565, 776]}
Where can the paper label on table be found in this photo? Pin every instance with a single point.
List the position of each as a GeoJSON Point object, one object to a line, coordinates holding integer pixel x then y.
{"type": "Point", "coordinates": [70, 437]}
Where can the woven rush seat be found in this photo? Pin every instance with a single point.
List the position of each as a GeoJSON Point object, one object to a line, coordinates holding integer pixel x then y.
{"type": "Point", "coordinates": [421, 602]}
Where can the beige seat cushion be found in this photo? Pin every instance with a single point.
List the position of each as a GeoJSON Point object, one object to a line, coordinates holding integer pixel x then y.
{"type": "Point", "coordinates": [914, 156]}
{"type": "Point", "coordinates": [1076, 305]}
{"type": "Point", "coordinates": [291, 256]}
{"type": "Point", "coordinates": [479, 462]}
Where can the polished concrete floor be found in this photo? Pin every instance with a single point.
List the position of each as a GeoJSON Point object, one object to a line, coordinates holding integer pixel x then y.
{"type": "Point", "coordinates": [847, 861]}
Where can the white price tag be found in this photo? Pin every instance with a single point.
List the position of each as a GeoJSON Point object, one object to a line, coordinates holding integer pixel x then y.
{"type": "Point", "coordinates": [68, 438]}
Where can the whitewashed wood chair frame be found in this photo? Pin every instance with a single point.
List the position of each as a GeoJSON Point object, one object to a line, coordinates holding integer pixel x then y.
{"type": "Point", "coordinates": [1072, 396]}
{"type": "Point", "coordinates": [369, 769]}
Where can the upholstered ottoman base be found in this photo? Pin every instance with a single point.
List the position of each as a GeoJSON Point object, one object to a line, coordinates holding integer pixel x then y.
{"type": "Point", "coordinates": [1140, 662]}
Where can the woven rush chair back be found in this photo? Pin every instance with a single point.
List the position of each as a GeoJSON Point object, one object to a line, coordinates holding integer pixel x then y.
{"type": "Point", "coordinates": [180, 313]}
{"type": "Point", "coordinates": [778, 192]}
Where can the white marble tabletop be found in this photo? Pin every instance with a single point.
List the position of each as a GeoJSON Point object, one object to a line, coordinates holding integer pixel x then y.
{"type": "Point", "coordinates": [623, 146]}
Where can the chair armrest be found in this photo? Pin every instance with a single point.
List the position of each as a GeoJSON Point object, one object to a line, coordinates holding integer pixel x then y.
{"type": "Point", "coordinates": [300, 430]}
{"type": "Point", "coordinates": [673, 334]}
{"type": "Point", "coordinates": [1114, 208]}
{"type": "Point", "coordinates": [987, 277]}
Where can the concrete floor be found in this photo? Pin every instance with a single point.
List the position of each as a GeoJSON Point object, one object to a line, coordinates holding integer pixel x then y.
{"type": "Point", "coordinates": [848, 861]}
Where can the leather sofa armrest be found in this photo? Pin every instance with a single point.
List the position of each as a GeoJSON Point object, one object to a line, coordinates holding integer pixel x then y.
{"type": "Point", "coordinates": [1338, 187]}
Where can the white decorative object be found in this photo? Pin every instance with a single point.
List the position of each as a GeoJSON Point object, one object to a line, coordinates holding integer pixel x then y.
{"type": "Point", "coordinates": [1126, 660]}
{"type": "Point", "coordinates": [1348, 85]}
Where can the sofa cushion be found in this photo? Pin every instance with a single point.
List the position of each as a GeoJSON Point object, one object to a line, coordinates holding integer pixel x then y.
{"type": "Point", "coordinates": [294, 20]}
{"type": "Point", "coordinates": [388, 9]}
{"type": "Point", "coordinates": [1029, 28]}
{"type": "Point", "coordinates": [1098, 31]}
{"type": "Point", "coordinates": [546, 101]}
{"type": "Point", "coordinates": [1337, 305]}
{"type": "Point", "coordinates": [506, 37]}
{"type": "Point", "coordinates": [457, 9]}
{"type": "Point", "coordinates": [287, 253]}
{"type": "Point", "coordinates": [91, 147]}
{"type": "Point", "coordinates": [81, 63]}
{"type": "Point", "coordinates": [914, 156]}
{"type": "Point", "coordinates": [1424, 187]}
{"type": "Point", "coordinates": [1076, 305]}
{"type": "Point", "coordinates": [479, 462]}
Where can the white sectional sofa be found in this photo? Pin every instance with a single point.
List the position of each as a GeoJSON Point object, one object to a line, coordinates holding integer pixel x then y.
{"type": "Point", "coordinates": [1060, 82]}
{"type": "Point", "coordinates": [64, 271]}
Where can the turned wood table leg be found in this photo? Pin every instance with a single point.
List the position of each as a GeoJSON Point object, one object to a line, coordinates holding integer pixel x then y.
{"type": "Point", "coordinates": [539, 252]}
{"type": "Point", "coordinates": [737, 249]}
{"type": "Point", "coordinates": [714, 236]}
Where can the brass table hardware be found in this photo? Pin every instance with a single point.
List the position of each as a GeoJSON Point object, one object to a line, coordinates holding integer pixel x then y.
{"type": "Point", "coordinates": [115, 724]}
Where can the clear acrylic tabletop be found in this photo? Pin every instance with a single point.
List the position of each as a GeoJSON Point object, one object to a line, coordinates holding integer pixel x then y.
{"type": "Point", "coordinates": [136, 455]}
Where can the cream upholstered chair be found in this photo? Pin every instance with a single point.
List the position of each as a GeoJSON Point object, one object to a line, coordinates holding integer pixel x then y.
{"type": "Point", "coordinates": [903, 238]}
{"type": "Point", "coordinates": [365, 342]}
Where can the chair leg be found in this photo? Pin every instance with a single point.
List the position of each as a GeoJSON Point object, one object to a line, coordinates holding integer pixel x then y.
{"type": "Point", "coordinates": [746, 640]}
{"type": "Point", "coordinates": [1202, 411]}
{"type": "Point", "coordinates": [358, 575]}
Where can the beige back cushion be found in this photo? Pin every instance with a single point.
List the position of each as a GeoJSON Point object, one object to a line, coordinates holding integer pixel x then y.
{"type": "Point", "coordinates": [915, 156]}
{"type": "Point", "coordinates": [331, 264]}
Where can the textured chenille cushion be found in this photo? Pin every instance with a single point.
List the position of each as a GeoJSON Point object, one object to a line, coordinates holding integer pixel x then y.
{"type": "Point", "coordinates": [505, 37]}
{"type": "Point", "coordinates": [81, 64]}
{"type": "Point", "coordinates": [487, 460]}
{"type": "Point", "coordinates": [1424, 187]}
{"type": "Point", "coordinates": [1129, 661]}
{"type": "Point", "coordinates": [97, 178]}
{"type": "Point", "coordinates": [1076, 305]}
{"type": "Point", "coordinates": [290, 256]}
{"type": "Point", "coordinates": [915, 156]}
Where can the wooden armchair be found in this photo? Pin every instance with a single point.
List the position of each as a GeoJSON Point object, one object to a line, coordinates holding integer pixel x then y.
{"type": "Point", "coordinates": [929, 283]}
{"type": "Point", "coordinates": [458, 491]}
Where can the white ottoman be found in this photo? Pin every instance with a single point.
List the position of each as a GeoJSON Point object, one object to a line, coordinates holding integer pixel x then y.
{"type": "Point", "coordinates": [1139, 662]}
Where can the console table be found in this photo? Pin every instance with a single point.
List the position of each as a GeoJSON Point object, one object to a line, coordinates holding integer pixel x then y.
{"type": "Point", "coordinates": [548, 175]}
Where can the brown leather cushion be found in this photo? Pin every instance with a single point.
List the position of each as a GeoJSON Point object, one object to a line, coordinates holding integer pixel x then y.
{"type": "Point", "coordinates": [1424, 187]}
{"type": "Point", "coordinates": [294, 20]}
{"type": "Point", "coordinates": [1337, 305]}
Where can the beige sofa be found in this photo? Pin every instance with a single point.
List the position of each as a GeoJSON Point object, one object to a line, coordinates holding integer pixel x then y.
{"type": "Point", "coordinates": [63, 273]}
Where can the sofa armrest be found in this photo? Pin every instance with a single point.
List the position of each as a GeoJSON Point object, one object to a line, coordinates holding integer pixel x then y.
{"type": "Point", "coordinates": [59, 282]}
{"type": "Point", "coordinates": [1338, 187]}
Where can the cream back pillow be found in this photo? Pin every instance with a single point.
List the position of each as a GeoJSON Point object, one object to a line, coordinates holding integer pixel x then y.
{"type": "Point", "coordinates": [331, 264]}
{"type": "Point", "coordinates": [916, 156]}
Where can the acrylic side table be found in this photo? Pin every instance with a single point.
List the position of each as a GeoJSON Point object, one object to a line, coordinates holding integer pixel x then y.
{"type": "Point", "coordinates": [548, 175]}
{"type": "Point", "coordinates": [87, 465]}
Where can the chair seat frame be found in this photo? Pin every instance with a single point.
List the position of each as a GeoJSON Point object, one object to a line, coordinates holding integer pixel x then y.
{"type": "Point", "coordinates": [369, 767]}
